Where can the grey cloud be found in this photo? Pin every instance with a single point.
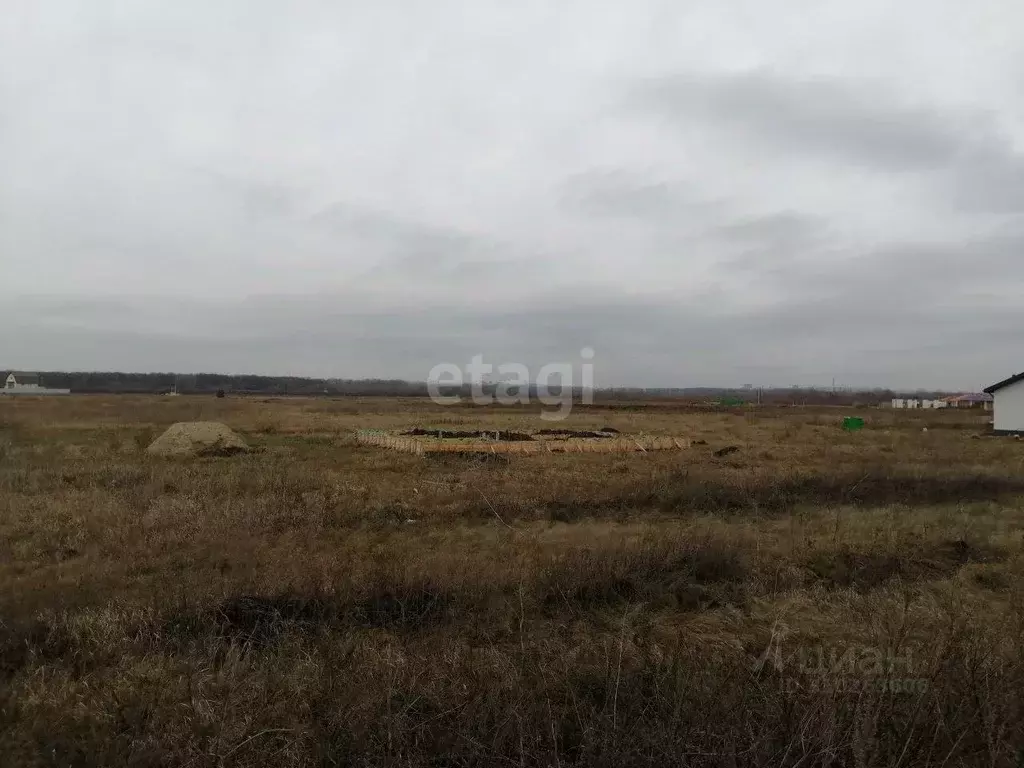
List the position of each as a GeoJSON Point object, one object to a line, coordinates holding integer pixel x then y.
{"type": "Point", "coordinates": [257, 199]}
{"type": "Point", "coordinates": [850, 121]}
{"type": "Point", "coordinates": [831, 117]}
{"type": "Point", "coordinates": [989, 179]}
{"type": "Point", "coordinates": [900, 313]}
{"type": "Point", "coordinates": [410, 242]}
{"type": "Point", "coordinates": [771, 226]}
{"type": "Point", "coordinates": [637, 342]}
{"type": "Point", "coordinates": [617, 192]}
{"type": "Point", "coordinates": [781, 228]}
{"type": "Point", "coordinates": [417, 253]}
{"type": "Point", "coordinates": [665, 205]}
{"type": "Point", "coordinates": [891, 338]}
{"type": "Point", "coordinates": [772, 244]}
{"type": "Point", "coordinates": [917, 271]}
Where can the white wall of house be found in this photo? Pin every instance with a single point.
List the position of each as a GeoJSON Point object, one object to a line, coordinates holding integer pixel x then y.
{"type": "Point", "coordinates": [12, 382]}
{"type": "Point", "coordinates": [14, 387]}
{"type": "Point", "coordinates": [1009, 408]}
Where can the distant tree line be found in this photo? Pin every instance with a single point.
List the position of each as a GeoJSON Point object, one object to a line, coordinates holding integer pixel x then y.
{"type": "Point", "coordinates": [211, 383]}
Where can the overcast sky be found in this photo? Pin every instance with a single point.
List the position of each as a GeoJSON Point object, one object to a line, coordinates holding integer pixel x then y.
{"type": "Point", "coordinates": [707, 192]}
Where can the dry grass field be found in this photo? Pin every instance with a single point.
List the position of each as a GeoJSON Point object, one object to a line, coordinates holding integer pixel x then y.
{"type": "Point", "coordinates": [814, 597]}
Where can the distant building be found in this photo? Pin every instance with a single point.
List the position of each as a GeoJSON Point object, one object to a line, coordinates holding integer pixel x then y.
{"type": "Point", "coordinates": [981, 400]}
{"type": "Point", "coordinates": [899, 402]}
{"type": "Point", "coordinates": [18, 383]}
{"type": "Point", "coordinates": [1008, 402]}
{"type": "Point", "coordinates": [16, 379]}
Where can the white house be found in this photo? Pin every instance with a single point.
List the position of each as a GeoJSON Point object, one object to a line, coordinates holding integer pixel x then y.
{"type": "Point", "coordinates": [16, 383]}
{"type": "Point", "coordinates": [1008, 397]}
{"type": "Point", "coordinates": [16, 380]}
{"type": "Point", "coordinates": [898, 402]}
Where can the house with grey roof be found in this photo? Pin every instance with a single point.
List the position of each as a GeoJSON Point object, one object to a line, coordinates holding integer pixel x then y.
{"type": "Point", "coordinates": [18, 379]}
{"type": "Point", "coordinates": [20, 383]}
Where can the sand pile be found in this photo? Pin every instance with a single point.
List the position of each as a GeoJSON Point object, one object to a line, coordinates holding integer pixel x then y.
{"type": "Point", "coordinates": [198, 438]}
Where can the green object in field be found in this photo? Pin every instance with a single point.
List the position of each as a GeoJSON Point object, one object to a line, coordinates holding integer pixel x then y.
{"type": "Point", "coordinates": [853, 423]}
{"type": "Point", "coordinates": [732, 402]}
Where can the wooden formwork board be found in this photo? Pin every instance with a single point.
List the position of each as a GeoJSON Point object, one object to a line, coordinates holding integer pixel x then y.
{"type": "Point", "coordinates": [572, 445]}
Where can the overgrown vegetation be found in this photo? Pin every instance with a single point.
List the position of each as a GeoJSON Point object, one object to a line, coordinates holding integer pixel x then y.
{"type": "Point", "coordinates": [812, 598]}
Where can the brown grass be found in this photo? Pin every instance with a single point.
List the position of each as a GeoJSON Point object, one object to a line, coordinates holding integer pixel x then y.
{"type": "Point", "coordinates": [424, 445]}
{"type": "Point", "coordinates": [813, 598]}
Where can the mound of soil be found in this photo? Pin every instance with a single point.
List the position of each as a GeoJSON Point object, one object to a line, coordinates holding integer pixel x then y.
{"type": "Point", "coordinates": [198, 438]}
